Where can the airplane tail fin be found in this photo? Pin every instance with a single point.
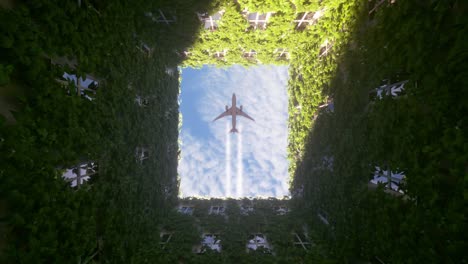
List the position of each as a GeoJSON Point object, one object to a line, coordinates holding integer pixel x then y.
{"type": "Point", "coordinates": [234, 130]}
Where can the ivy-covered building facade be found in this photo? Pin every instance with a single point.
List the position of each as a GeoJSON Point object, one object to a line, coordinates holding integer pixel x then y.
{"type": "Point", "coordinates": [228, 230]}
{"type": "Point", "coordinates": [89, 148]}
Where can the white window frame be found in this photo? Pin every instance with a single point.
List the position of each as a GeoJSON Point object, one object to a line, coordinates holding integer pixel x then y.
{"type": "Point", "coordinates": [391, 180]}
{"type": "Point", "coordinates": [80, 83]}
{"type": "Point", "coordinates": [257, 22]}
{"type": "Point", "coordinates": [282, 53]}
{"type": "Point", "coordinates": [161, 18]}
{"type": "Point", "coordinates": [142, 101]}
{"type": "Point", "coordinates": [298, 191]}
{"type": "Point", "coordinates": [186, 209]}
{"type": "Point", "coordinates": [250, 54]}
{"type": "Point", "coordinates": [325, 48]}
{"type": "Point", "coordinates": [323, 216]}
{"type": "Point", "coordinates": [311, 20]}
{"type": "Point", "coordinates": [255, 243]}
{"type": "Point", "coordinates": [246, 209]}
{"type": "Point", "coordinates": [141, 154]}
{"type": "Point", "coordinates": [163, 243]}
{"type": "Point", "coordinates": [220, 54]}
{"type": "Point", "coordinates": [211, 21]}
{"type": "Point", "coordinates": [393, 89]}
{"type": "Point", "coordinates": [88, 168]}
{"type": "Point", "coordinates": [145, 48]}
{"type": "Point", "coordinates": [171, 71]}
{"type": "Point", "coordinates": [217, 210]}
{"type": "Point", "coordinates": [209, 240]}
{"type": "Point", "coordinates": [305, 244]}
{"type": "Point", "coordinates": [281, 210]}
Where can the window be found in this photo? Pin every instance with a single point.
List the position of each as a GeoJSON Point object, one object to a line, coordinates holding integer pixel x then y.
{"type": "Point", "coordinates": [216, 210]}
{"type": "Point", "coordinates": [281, 210]}
{"type": "Point", "coordinates": [142, 101]}
{"type": "Point", "coordinates": [329, 106]}
{"type": "Point", "coordinates": [141, 154]}
{"type": "Point", "coordinates": [145, 48]}
{"type": "Point", "coordinates": [164, 238]}
{"type": "Point", "coordinates": [323, 216]}
{"type": "Point", "coordinates": [162, 17]}
{"type": "Point", "coordinates": [80, 173]}
{"type": "Point", "coordinates": [327, 162]}
{"type": "Point", "coordinates": [209, 241]}
{"type": "Point", "coordinates": [282, 54]}
{"type": "Point", "coordinates": [250, 54]}
{"type": "Point", "coordinates": [307, 18]}
{"type": "Point", "coordinates": [301, 241]}
{"type": "Point", "coordinates": [325, 48]}
{"type": "Point", "coordinates": [210, 22]}
{"type": "Point", "coordinates": [171, 71]}
{"type": "Point", "coordinates": [391, 180]}
{"type": "Point", "coordinates": [220, 54]}
{"type": "Point", "coordinates": [298, 191]}
{"type": "Point", "coordinates": [188, 210]}
{"type": "Point", "coordinates": [258, 241]}
{"type": "Point", "coordinates": [86, 88]}
{"type": "Point", "coordinates": [393, 90]}
{"type": "Point", "coordinates": [246, 209]}
{"type": "Point", "coordinates": [257, 20]}
{"type": "Point", "coordinates": [378, 4]}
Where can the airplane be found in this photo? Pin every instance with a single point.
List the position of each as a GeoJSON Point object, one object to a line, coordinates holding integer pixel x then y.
{"type": "Point", "coordinates": [234, 111]}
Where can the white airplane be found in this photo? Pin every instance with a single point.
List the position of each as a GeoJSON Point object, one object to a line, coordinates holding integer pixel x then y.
{"type": "Point", "coordinates": [234, 111]}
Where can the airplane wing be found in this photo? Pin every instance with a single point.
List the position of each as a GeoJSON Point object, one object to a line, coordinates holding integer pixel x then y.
{"type": "Point", "coordinates": [241, 113]}
{"type": "Point", "coordinates": [226, 113]}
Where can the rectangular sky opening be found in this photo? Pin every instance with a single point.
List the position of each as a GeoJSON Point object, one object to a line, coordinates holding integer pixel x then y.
{"type": "Point", "coordinates": [251, 163]}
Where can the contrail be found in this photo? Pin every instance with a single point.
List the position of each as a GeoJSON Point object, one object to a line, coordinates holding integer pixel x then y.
{"type": "Point", "coordinates": [239, 190]}
{"type": "Point", "coordinates": [228, 161]}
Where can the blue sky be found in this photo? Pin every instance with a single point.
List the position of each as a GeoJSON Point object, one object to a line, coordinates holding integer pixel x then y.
{"type": "Point", "coordinates": [252, 163]}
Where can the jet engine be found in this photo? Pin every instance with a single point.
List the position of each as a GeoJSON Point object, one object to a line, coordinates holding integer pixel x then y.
{"type": "Point", "coordinates": [241, 107]}
{"type": "Point", "coordinates": [227, 107]}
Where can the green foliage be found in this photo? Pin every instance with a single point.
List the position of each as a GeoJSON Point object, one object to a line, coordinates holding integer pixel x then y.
{"type": "Point", "coordinates": [5, 71]}
{"type": "Point", "coordinates": [47, 220]}
{"type": "Point", "coordinates": [409, 134]}
{"type": "Point", "coordinates": [235, 35]}
{"type": "Point", "coordinates": [234, 230]}
{"type": "Point", "coordinates": [117, 217]}
{"type": "Point", "coordinates": [265, 6]}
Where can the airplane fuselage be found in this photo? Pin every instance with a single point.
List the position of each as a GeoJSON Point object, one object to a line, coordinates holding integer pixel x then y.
{"type": "Point", "coordinates": [234, 112]}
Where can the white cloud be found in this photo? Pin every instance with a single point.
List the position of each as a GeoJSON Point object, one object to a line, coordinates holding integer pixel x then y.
{"type": "Point", "coordinates": [262, 92]}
